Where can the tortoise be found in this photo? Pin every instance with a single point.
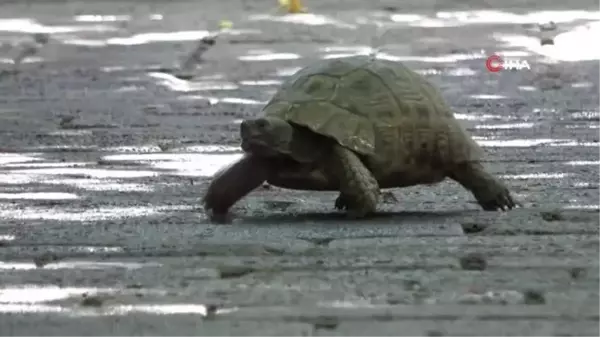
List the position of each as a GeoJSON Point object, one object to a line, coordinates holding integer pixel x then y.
{"type": "Point", "coordinates": [355, 125]}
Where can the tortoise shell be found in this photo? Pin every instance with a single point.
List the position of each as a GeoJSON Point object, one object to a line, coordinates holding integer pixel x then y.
{"type": "Point", "coordinates": [378, 108]}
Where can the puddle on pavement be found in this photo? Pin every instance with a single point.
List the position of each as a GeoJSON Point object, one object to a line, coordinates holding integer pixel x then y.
{"type": "Point", "coordinates": [228, 100]}
{"type": "Point", "coordinates": [25, 25]}
{"type": "Point", "coordinates": [177, 84]}
{"type": "Point", "coordinates": [62, 133]}
{"type": "Point", "coordinates": [15, 179]}
{"type": "Point", "coordinates": [87, 172]}
{"type": "Point", "coordinates": [450, 58]}
{"type": "Point", "coordinates": [38, 196]}
{"type": "Point", "coordinates": [46, 165]}
{"type": "Point", "coordinates": [583, 162]}
{"type": "Point", "coordinates": [101, 18]}
{"type": "Point", "coordinates": [146, 38]}
{"type": "Point", "coordinates": [536, 176]}
{"type": "Point", "coordinates": [285, 72]}
{"type": "Point", "coordinates": [461, 71]}
{"type": "Point", "coordinates": [97, 214]}
{"type": "Point", "coordinates": [480, 117]}
{"type": "Point", "coordinates": [462, 18]}
{"type": "Point", "coordinates": [505, 126]}
{"type": "Point", "coordinates": [582, 85]}
{"type": "Point", "coordinates": [113, 310]}
{"type": "Point", "coordinates": [531, 142]}
{"type": "Point", "coordinates": [36, 294]}
{"type": "Point", "coordinates": [185, 164]}
{"type": "Point", "coordinates": [262, 83]}
{"type": "Point", "coordinates": [100, 185]}
{"type": "Point", "coordinates": [31, 299]}
{"type": "Point", "coordinates": [78, 264]}
{"type": "Point", "coordinates": [9, 158]}
{"type": "Point", "coordinates": [582, 207]}
{"type": "Point", "coordinates": [586, 115]}
{"type": "Point", "coordinates": [84, 183]}
{"type": "Point", "coordinates": [346, 49]}
{"type": "Point", "coordinates": [98, 265]}
{"type": "Point", "coordinates": [488, 96]}
{"type": "Point", "coordinates": [270, 57]}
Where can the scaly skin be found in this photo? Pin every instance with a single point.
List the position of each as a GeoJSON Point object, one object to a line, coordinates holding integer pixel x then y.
{"type": "Point", "coordinates": [232, 183]}
{"type": "Point", "coordinates": [357, 184]}
{"type": "Point", "coordinates": [489, 191]}
{"type": "Point", "coordinates": [315, 162]}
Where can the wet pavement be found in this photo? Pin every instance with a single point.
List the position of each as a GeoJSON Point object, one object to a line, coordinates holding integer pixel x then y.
{"type": "Point", "coordinates": [104, 156]}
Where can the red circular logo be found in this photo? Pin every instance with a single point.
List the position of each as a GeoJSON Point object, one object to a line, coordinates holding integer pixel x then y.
{"type": "Point", "coordinates": [494, 63]}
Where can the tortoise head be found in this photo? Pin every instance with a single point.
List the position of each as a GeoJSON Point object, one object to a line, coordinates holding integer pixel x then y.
{"type": "Point", "coordinates": [266, 136]}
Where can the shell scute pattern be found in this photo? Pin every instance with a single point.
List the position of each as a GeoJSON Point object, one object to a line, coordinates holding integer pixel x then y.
{"type": "Point", "coordinates": [313, 87]}
{"type": "Point", "coordinates": [381, 109]}
{"type": "Point", "coordinates": [365, 95]}
{"type": "Point", "coordinates": [350, 130]}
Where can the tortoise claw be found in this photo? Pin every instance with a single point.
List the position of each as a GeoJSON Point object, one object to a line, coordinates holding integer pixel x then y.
{"type": "Point", "coordinates": [502, 201]}
{"type": "Point", "coordinates": [340, 203]}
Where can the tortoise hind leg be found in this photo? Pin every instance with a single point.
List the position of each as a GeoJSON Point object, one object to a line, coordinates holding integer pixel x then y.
{"type": "Point", "coordinates": [490, 192]}
{"type": "Point", "coordinates": [232, 183]}
{"type": "Point", "coordinates": [359, 190]}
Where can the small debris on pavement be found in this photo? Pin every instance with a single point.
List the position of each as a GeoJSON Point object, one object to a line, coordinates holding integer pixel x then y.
{"type": "Point", "coordinates": [499, 297]}
{"type": "Point", "coordinates": [225, 24]}
{"type": "Point", "coordinates": [533, 297]}
{"type": "Point", "coordinates": [412, 285]}
{"type": "Point", "coordinates": [473, 261]}
{"type": "Point", "coordinates": [434, 332]}
{"type": "Point", "coordinates": [211, 311]}
{"type": "Point", "coordinates": [134, 286]}
{"type": "Point", "coordinates": [390, 8]}
{"type": "Point", "coordinates": [29, 48]}
{"type": "Point", "coordinates": [91, 301]}
{"type": "Point", "coordinates": [66, 122]}
{"type": "Point", "coordinates": [292, 6]}
{"type": "Point", "coordinates": [326, 323]}
{"type": "Point", "coordinates": [41, 38]}
{"type": "Point", "coordinates": [577, 272]}
{"type": "Point", "coordinates": [393, 299]}
{"type": "Point", "coordinates": [552, 215]}
{"type": "Point", "coordinates": [234, 271]}
{"type": "Point", "coordinates": [548, 26]}
{"type": "Point", "coordinates": [546, 30]}
{"type": "Point", "coordinates": [165, 146]}
{"type": "Point", "coordinates": [472, 227]}
{"type": "Point", "coordinates": [547, 41]}
{"type": "Point", "coordinates": [320, 241]}
{"type": "Point", "coordinates": [44, 259]}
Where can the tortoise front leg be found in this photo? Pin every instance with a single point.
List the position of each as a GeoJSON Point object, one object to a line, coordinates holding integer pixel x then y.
{"type": "Point", "coordinates": [359, 190]}
{"type": "Point", "coordinates": [490, 192]}
{"type": "Point", "coordinates": [232, 183]}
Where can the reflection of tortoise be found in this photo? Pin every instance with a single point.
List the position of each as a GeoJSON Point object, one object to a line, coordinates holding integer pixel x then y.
{"type": "Point", "coordinates": [355, 125]}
